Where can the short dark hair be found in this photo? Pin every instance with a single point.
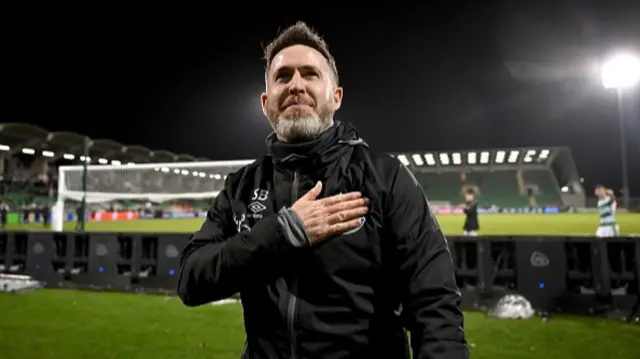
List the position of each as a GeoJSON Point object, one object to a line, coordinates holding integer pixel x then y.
{"type": "Point", "coordinates": [299, 34]}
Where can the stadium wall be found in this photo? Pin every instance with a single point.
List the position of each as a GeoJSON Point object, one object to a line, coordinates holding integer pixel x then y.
{"type": "Point", "coordinates": [580, 275]}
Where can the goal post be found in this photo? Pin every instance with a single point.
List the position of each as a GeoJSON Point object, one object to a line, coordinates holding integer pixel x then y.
{"type": "Point", "coordinates": [155, 182]}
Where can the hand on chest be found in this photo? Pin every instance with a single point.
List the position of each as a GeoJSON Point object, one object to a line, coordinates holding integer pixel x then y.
{"type": "Point", "coordinates": [350, 249]}
{"type": "Point", "coordinates": [266, 198]}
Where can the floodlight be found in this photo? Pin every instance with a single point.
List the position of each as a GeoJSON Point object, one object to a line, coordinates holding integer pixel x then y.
{"type": "Point", "coordinates": [457, 159]}
{"type": "Point", "coordinates": [417, 159]}
{"type": "Point", "coordinates": [513, 156]}
{"type": "Point", "coordinates": [500, 156]}
{"type": "Point", "coordinates": [621, 71]}
{"type": "Point", "coordinates": [444, 159]}
{"type": "Point", "coordinates": [403, 159]}
{"type": "Point", "coordinates": [471, 158]}
{"type": "Point", "coordinates": [484, 157]}
{"type": "Point", "coordinates": [431, 161]}
{"type": "Point", "coordinates": [543, 154]}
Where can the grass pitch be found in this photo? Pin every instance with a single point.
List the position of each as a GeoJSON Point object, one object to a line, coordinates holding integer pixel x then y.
{"type": "Point", "coordinates": [59, 324]}
{"type": "Point", "coordinates": [581, 224]}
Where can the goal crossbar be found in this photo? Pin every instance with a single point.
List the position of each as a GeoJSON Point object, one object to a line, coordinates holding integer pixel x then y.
{"type": "Point", "coordinates": [156, 182]}
{"type": "Point", "coordinates": [195, 164]}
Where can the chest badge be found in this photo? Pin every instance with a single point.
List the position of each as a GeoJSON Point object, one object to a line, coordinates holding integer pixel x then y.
{"type": "Point", "coordinates": [257, 203]}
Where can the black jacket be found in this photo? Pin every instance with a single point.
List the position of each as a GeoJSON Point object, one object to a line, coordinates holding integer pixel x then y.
{"type": "Point", "coordinates": [341, 298]}
{"type": "Point", "coordinates": [471, 221]}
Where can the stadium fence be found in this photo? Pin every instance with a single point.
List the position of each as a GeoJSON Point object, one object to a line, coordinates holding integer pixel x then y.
{"type": "Point", "coordinates": [579, 275]}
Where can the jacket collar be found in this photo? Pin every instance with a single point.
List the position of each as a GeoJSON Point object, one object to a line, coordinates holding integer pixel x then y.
{"type": "Point", "coordinates": [321, 151]}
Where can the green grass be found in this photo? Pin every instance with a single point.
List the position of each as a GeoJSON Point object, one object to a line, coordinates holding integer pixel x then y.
{"type": "Point", "coordinates": [491, 224]}
{"type": "Point", "coordinates": [59, 324]}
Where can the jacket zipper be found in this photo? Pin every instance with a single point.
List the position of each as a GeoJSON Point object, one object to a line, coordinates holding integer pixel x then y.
{"type": "Point", "coordinates": [291, 312]}
{"type": "Point", "coordinates": [293, 300]}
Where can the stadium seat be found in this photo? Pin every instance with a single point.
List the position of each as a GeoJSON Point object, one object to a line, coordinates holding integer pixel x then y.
{"type": "Point", "coordinates": [499, 188]}
{"type": "Point", "coordinates": [441, 186]}
{"type": "Point", "coordinates": [548, 192]}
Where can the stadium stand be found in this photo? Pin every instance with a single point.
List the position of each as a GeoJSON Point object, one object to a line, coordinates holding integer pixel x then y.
{"type": "Point", "coordinates": [30, 156]}
{"type": "Point", "coordinates": [511, 178]}
{"type": "Point", "coordinates": [503, 178]}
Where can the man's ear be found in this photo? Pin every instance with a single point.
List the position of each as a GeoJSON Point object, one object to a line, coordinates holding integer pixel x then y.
{"type": "Point", "coordinates": [263, 101]}
{"type": "Point", "coordinates": [338, 92]}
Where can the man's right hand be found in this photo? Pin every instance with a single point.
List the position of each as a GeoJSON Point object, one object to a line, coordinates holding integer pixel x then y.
{"type": "Point", "coordinates": [327, 217]}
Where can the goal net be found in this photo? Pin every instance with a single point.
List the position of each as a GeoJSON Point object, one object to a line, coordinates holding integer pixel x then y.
{"type": "Point", "coordinates": [152, 182]}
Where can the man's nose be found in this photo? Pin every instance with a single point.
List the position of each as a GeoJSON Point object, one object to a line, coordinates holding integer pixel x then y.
{"type": "Point", "coordinates": [296, 85]}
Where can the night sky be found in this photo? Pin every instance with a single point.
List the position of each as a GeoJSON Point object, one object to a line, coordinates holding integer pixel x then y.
{"type": "Point", "coordinates": [427, 77]}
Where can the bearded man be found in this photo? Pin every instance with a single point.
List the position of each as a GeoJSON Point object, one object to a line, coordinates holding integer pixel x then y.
{"type": "Point", "coordinates": [342, 252]}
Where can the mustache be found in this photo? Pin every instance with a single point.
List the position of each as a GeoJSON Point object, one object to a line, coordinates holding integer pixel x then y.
{"type": "Point", "coordinates": [297, 101]}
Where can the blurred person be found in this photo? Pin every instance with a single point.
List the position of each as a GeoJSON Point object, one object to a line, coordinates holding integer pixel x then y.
{"type": "Point", "coordinates": [80, 214]}
{"type": "Point", "coordinates": [4, 211]}
{"type": "Point", "coordinates": [607, 205]}
{"type": "Point", "coordinates": [471, 225]}
{"type": "Point", "coordinates": [324, 239]}
{"type": "Point", "coordinates": [46, 215]}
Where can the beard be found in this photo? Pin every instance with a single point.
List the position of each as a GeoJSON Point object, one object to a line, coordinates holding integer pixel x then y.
{"type": "Point", "coordinates": [300, 127]}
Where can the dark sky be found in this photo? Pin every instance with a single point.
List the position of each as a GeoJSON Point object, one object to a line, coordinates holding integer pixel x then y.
{"type": "Point", "coordinates": [445, 76]}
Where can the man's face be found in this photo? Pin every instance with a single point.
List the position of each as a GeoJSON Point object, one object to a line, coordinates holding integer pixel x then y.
{"type": "Point", "coordinates": [599, 192]}
{"type": "Point", "coordinates": [301, 95]}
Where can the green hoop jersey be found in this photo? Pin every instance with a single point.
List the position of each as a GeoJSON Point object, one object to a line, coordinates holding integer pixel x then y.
{"type": "Point", "coordinates": [607, 210]}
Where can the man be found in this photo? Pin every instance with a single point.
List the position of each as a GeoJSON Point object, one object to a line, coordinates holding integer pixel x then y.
{"type": "Point", "coordinates": [471, 225]}
{"type": "Point", "coordinates": [4, 211]}
{"type": "Point", "coordinates": [607, 205]}
{"type": "Point", "coordinates": [324, 239]}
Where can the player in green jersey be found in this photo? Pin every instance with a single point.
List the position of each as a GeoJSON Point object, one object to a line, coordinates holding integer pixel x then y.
{"type": "Point", "coordinates": [607, 209]}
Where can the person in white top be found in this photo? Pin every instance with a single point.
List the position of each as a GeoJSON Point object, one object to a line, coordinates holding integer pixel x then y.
{"type": "Point", "coordinates": [607, 204]}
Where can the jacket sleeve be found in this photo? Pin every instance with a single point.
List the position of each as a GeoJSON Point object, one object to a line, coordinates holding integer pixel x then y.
{"type": "Point", "coordinates": [430, 297]}
{"type": "Point", "coordinates": [471, 209]}
{"type": "Point", "coordinates": [219, 261]}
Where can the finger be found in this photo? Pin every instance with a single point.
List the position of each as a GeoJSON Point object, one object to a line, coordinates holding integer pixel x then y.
{"type": "Point", "coordinates": [314, 192]}
{"type": "Point", "coordinates": [341, 198]}
{"type": "Point", "coordinates": [345, 216]}
{"type": "Point", "coordinates": [344, 226]}
{"type": "Point", "coordinates": [345, 206]}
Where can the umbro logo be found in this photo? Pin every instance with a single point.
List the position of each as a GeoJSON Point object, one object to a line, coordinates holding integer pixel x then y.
{"type": "Point", "coordinates": [256, 207]}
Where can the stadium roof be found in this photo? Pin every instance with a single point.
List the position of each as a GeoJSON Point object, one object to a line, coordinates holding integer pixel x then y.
{"type": "Point", "coordinates": [528, 156]}
{"type": "Point", "coordinates": [34, 140]}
